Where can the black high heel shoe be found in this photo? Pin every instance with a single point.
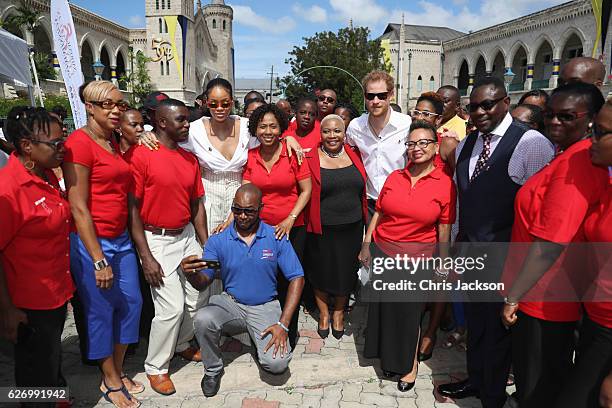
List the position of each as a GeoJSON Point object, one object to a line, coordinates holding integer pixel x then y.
{"type": "Point", "coordinates": [337, 333]}
{"type": "Point", "coordinates": [323, 333]}
{"type": "Point", "coordinates": [404, 386]}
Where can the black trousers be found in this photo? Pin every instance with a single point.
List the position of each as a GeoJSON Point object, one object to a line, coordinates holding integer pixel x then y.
{"type": "Point", "coordinates": [489, 352]}
{"type": "Point", "coordinates": [38, 357]}
{"type": "Point", "coordinates": [593, 364]}
{"type": "Point", "coordinates": [541, 359]}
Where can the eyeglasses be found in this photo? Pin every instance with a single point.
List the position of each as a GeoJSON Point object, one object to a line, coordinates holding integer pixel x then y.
{"type": "Point", "coordinates": [54, 144]}
{"type": "Point", "coordinates": [425, 114]}
{"type": "Point", "coordinates": [214, 104]}
{"type": "Point", "coordinates": [110, 105]}
{"type": "Point", "coordinates": [247, 211]}
{"type": "Point", "coordinates": [381, 95]}
{"type": "Point", "coordinates": [486, 105]}
{"type": "Point", "coordinates": [422, 143]}
{"type": "Point", "coordinates": [564, 116]}
{"type": "Point", "coordinates": [598, 133]}
{"type": "Point", "coordinates": [323, 98]}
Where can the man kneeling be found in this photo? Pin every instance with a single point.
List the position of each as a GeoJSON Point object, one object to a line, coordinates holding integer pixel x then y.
{"type": "Point", "coordinates": [249, 256]}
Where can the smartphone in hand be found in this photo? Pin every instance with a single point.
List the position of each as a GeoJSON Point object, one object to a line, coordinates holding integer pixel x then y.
{"type": "Point", "coordinates": [212, 264]}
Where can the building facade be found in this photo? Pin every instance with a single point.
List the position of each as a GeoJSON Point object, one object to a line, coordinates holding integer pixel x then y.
{"type": "Point", "coordinates": [188, 44]}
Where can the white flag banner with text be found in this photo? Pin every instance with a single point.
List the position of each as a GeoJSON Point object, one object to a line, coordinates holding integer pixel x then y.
{"type": "Point", "coordinates": [67, 49]}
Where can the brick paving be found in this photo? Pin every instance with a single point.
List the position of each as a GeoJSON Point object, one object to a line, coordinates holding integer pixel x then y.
{"type": "Point", "coordinates": [323, 373]}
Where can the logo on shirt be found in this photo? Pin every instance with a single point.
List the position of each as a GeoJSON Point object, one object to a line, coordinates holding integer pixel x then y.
{"type": "Point", "coordinates": [267, 254]}
{"type": "Point", "coordinates": [41, 203]}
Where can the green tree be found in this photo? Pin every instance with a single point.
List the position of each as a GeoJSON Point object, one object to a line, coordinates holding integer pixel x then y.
{"type": "Point", "coordinates": [44, 67]}
{"type": "Point", "coordinates": [139, 78]}
{"type": "Point", "coordinates": [26, 17]}
{"type": "Point", "coordinates": [349, 49]}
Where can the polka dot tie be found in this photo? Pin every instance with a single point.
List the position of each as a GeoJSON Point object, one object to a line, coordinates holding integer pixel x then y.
{"type": "Point", "coordinates": [481, 164]}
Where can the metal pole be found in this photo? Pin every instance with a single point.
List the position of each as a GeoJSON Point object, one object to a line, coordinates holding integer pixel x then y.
{"type": "Point", "coordinates": [37, 88]}
{"type": "Point", "coordinates": [271, 79]}
{"type": "Point", "coordinates": [409, 74]}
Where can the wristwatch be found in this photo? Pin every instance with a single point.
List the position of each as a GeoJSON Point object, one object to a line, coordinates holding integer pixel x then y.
{"type": "Point", "coordinates": [101, 264]}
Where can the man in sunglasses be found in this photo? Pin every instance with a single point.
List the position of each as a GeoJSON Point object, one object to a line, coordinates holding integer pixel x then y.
{"type": "Point", "coordinates": [249, 257]}
{"type": "Point", "coordinates": [326, 103]}
{"type": "Point", "coordinates": [379, 134]}
{"type": "Point", "coordinates": [492, 163]}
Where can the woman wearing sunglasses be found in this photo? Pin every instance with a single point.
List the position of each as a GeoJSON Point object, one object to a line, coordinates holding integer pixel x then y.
{"type": "Point", "coordinates": [549, 210]}
{"type": "Point", "coordinates": [103, 261]}
{"type": "Point", "coordinates": [416, 205]}
{"type": "Point", "coordinates": [35, 284]}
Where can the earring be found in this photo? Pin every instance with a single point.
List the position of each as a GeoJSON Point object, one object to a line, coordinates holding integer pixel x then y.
{"type": "Point", "coordinates": [29, 165]}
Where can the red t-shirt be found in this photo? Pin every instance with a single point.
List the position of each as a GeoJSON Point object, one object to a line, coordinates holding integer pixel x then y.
{"type": "Point", "coordinates": [412, 213]}
{"type": "Point", "coordinates": [34, 241]}
{"type": "Point", "coordinates": [438, 159]}
{"type": "Point", "coordinates": [279, 186]}
{"type": "Point", "coordinates": [598, 228]}
{"type": "Point", "coordinates": [165, 182]}
{"type": "Point", "coordinates": [552, 206]}
{"type": "Point", "coordinates": [311, 140]}
{"type": "Point", "coordinates": [110, 181]}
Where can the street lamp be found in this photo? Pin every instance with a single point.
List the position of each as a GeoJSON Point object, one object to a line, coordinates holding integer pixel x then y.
{"type": "Point", "coordinates": [508, 78]}
{"type": "Point", "coordinates": [98, 68]}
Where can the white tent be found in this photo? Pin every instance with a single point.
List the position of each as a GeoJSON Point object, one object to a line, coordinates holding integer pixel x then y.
{"type": "Point", "coordinates": [15, 66]}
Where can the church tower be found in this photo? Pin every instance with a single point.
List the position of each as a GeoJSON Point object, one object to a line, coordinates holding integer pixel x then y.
{"type": "Point", "coordinates": [219, 19]}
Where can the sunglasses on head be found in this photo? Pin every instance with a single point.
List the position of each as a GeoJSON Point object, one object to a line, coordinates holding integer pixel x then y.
{"type": "Point", "coordinates": [564, 116]}
{"type": "Point", "coordinates": [324, 98]}
{"type": "Point", "coordinates": [381, 95]}
{"type": "Point", "coordinates": [110, 105]}
{"type": "Point", "coordinates": [486, 105]}
{"type": "Point", "coordinates": [247, 211]}
{"type": "Point", "coordinates": [215, 104]}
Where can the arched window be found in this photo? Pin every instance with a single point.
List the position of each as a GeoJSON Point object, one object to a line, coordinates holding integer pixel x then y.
{"type": "Point", "coordinates": [161, 27]}
{"type": "Point", "coordinates": [156, 4]}
{"type": "Point", "coordinates": [167, 67]}
{"type": "Point", "coordinates": [214, 23]}
{"type": "Point", "coordinates": [419, 84]}
{"type": "Point", "coordinates": [223, 25]}
{"type": "Point", "coordinates": [161, 67]}
{"type": "Point", "coordinates": [432, 83]}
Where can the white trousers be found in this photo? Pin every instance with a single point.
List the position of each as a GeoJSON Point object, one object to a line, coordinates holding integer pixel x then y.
{"type": "Point", "coordinates": [175, 300]}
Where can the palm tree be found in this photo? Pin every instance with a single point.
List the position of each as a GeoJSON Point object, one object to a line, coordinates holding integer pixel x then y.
{"type": "Point", "coordinates": [25, 17]}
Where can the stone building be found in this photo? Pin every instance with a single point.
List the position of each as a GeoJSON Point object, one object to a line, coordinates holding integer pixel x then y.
{"type": "Point", "coordinates": [534, 47]}
{"type": "Point", "coordinates": [204, 30]}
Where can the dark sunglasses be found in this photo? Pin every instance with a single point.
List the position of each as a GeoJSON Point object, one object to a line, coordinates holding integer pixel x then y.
{"type": "Point", "coordinates": [564, 116]}
{"type": "Point", "coordinates": [247, 211]}
{"type": "Point", "coordinates": [324, 98]}
{"type": "Point", "coordinates": [422, 143]}
{"type": "Point", "coordinates": [598, 133]}
{"type": "Point", "coordinates": [54, 144]}
{"type": "Point", "coordinates": [381, 95]}
{"type": "Point", "coordinates": [110, 105]}
{"type": "Point", "coordinates": [486, 105]}
{"type": "Point", "coordinates": [215, 104]}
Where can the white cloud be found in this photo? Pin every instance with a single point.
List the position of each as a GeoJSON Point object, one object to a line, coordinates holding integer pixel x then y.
{"type": "Point", "coordinates": [245, 15]}
{"type": "Point", "coordinates": [136, 21]}
{"type": "Point", "coordinates": [366, 12]}
{"type": "Point", "coordinates": [314, 14]}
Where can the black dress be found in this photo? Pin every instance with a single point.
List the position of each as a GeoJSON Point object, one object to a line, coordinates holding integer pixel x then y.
{"type": "Point", "coordinates": [331, 257]}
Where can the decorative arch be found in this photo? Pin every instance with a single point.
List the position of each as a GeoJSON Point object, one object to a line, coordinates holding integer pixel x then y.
{"type": "Point", "coordinates": [121, 49]}
{"type": "Point", "coordinates": [460, 61]}
{"type": "Point", "coordinates": [44, 23]}
{"type": "Point", "coordinates": [564, 38]}
{"type": "Point", "coordinates": [7, 12]}
{"type": "Point", "coordinates": [493, 55]}
{"type": "Point", "coordinates": [543, 38]}
{"type": "Point", "coordinates": [475, 58]}
{"type": "Point", "coordinates": [87, 37]}
{"type": "Point", "coordinates": [515, 48]}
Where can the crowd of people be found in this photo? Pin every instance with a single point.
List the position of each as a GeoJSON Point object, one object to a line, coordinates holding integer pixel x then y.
{"type": "Point", "coordinates": [184, 225]}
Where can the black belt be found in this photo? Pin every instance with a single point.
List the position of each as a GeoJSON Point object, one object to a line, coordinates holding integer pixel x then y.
{"type": "Point", "coordinates": [173, 232]}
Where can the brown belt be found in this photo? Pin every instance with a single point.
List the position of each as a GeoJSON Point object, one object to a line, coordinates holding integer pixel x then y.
{"type": "Point", "coordinates": [173, 232]}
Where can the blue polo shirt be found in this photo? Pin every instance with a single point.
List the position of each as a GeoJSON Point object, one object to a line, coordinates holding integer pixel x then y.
{"type": "Point", "coordinates": [249, 272]}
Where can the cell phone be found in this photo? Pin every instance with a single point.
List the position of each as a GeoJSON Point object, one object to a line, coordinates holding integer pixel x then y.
{"type": "Point", "coordinates": [211, 263]}
{"type": "Point", "coordinates": [24, 333]}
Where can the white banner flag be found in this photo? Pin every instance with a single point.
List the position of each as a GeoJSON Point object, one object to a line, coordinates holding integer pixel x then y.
{"type": "Point", "coordinates": [67, 49]}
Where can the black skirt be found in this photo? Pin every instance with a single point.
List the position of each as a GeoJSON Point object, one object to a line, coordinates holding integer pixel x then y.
{"type": "Point", "coordinates": [331, 262]}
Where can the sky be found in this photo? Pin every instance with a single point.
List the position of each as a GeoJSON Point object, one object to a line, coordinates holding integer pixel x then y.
{"type": "Point", "coordinates": [265, 31]}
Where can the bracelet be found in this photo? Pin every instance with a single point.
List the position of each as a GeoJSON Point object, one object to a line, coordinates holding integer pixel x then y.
{"type": "Point", "coordinates": [293, 216]}
{"type": "Point", "coordinates": [509, 303]}
{"type": "Point", "coordinates": [285, 328]}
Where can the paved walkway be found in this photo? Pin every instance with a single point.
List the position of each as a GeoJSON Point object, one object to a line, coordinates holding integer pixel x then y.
{"type": "Point", "coordinates": [323, 373]}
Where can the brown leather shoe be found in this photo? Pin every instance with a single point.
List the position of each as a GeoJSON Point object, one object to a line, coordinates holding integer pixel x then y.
{"type": "Point", "coordinates": [162, 384]}
{"type": "Point", "coordinates": [191, 354]}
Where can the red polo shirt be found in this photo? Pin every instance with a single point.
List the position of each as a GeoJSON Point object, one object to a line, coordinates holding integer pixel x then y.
{"type": "Point", "coordinates": [412, 213]}
{"type": "Point", "coordinates": [34, 238]}
{"type": "Point", "coordinates": [313, 209]}
{"type": "Point", "coordinates": [165, 182]}
{"type": "Point", "coordinates": [279, 186]}
{"type": "Point", "coordinates": [311, 140]}
{"type": "Point", "coordinates": [552, 206]}
{"type": "Point", "coordinates": [110, 181]}
{"type": "Point", "coordinates": [598, 228]}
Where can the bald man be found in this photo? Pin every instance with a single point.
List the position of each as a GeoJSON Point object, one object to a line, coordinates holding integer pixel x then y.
{"type": "Point", "coordinates": [285, 106]}
{"type": "Point", "coordinates": [583, 69]}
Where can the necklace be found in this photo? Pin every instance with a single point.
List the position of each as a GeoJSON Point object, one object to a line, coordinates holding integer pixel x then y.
{"type": "Point", "coordinates": [333, 155]}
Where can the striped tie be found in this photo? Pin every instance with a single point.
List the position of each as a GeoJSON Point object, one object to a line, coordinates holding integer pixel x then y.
{"type": "Point", "coordinates": [481, 164]}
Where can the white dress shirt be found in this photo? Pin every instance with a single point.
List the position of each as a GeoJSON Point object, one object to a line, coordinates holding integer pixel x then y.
{"type": "Point", "coordinates": [381, 154]}
{"type": "Point", "coordinates": [209, 157]}
{"type": "Point", "coordinates": [532, 152]}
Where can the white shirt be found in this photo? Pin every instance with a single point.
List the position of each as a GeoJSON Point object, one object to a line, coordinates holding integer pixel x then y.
{"type": "Point", "coordinates": [209, 157]}
{"type": "Point", "coordinates": [381, 154]}
{"type": "Point", "coordinates": [532, 152]}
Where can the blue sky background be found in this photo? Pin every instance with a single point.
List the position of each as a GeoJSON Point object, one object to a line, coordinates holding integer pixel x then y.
{"type": "Point", "coordinates": [265, 31]}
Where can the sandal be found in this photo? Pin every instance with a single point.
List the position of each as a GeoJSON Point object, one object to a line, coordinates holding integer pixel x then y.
{"type": "Point", "coordinates": [120, 389]}
{"type": "Point", "coordinates": [138, 387]}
